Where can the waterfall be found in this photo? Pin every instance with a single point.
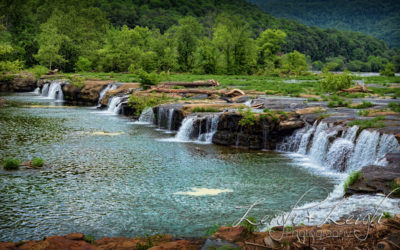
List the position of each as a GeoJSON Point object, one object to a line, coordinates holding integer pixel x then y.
{"type": "Point", "coordinates": [45, 89]}
{"type": "Point", "coordinates": [53, 91]}
{"type": "Point", "coordinates": [147, 116]}
{"type": "Point", "coordinates": [165, 118]}
{"type": "Point", "coordinates": [170, 117]}
{"type": "Point", "coordinates": [321, 144]}
{"type": "Point", "coordinates": [37, 91]}
{"type": "Point", "coordinates": [198, 129]}
{"type": "Point", "coordinates": [114, 105]}
{"type": "Point", "coordinates": [104, 91]}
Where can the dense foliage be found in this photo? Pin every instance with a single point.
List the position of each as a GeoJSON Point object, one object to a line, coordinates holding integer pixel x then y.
{"type": "Point", "coordinates": [204, 37]}
{"type": "Point", "coordinates": [377, 18]}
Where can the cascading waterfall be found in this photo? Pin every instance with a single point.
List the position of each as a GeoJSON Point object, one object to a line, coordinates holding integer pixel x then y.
{"type": "Point", "coordinates": [198, 128]}
{"type": "Point", "coordinates": [45, 89]}
{"type": "Point", "coordinates": [345, 153]}
{"type": "Point", "coordinates": [147, 116]}
{"type": "Point", "coordinates": [37, 91]}
{"type": "Point", "coordinates": [114, 105]}
{"type": "Point", "coordinates": [53, 90]}
{"type": "Point", "coordinates": [165, 118]}
{"type": "Point", "coordinates": [104, 91]}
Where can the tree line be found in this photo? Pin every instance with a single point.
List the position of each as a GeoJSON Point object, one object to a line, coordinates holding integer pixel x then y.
{"type": "Point", "coordinates": [180, 36]}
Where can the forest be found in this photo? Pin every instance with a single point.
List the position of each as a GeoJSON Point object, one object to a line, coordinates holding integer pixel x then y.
{"type": "Point", "coordinates": [380, 19]}
{"type": "Point", "coordinates": [202, 37]}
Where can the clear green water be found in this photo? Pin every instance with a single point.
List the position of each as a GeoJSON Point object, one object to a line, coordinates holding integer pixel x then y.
{"type": "Point", "coordinates": [128, 184]}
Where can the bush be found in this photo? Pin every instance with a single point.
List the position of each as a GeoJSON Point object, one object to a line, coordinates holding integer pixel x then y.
{"type": "Point", "coordinates": [389, 70]}
{"type": "Point", "coordinates": [386, 215]}
{"type": "Point", "coordinates": [333, 83]}
{"type": "Point", "coordinates": [11, 164]}
{"type": "Point", "coordinates": [147, 79]}
{"type": "Point", "coordinates": [204, 109]}
{"type": "Point", "coordinates": [373, 123]}
{"type": "Point", "coordinates": [37, 162]}
{"type": "Point", "coordinates": [212, 230]}
{"type": "Point", "coordinates": [394, 106]}
{"type": "Point", "coordinates": [248, 224]}
{"type": "Point", "coordinates": [362, 105]}
{"type": "Point", "coordinates": [139, 103]}
{"type": "Point", "coordinates": [364, 112]}
{"type": "Point", "coordinates": [38, 71]}
{"type": "Point", "coordinates": [77, 81]}
{"type": "Point", "coordinates": [83, 64]}
{"type": "Point", "coordinates": [353, 177]}
{"type": "Point", "coordinates": [89, 238]}
{"type": "Point", "coordinates": [248, 118]}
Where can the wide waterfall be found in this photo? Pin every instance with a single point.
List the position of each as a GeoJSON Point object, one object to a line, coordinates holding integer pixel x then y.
{"type": "Point", "coordinates": [337, 148]}
{"type": "Point", "coordinates": [53, 90]}
{"type": "Point", "coordinates": [198, 128]}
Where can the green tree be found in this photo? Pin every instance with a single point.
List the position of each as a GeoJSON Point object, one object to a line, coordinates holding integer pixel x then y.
{"type": "Point", "coordinates": [269, 45]}
{"type": "Point", "coordinates": [295, 62]}
{"type": "Point", "coordinates": [188, 34]}
{"type": "Point", "coordinates": [389, 70]}
{"type": "Point", "coordinates": [49, 46]}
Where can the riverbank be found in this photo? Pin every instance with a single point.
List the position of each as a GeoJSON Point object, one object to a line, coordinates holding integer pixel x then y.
{"type": "Point", "coordinates": [382, 233]}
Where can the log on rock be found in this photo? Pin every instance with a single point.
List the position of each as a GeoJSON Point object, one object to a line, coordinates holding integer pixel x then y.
{"type": "Point", "coordinates": [209, 83]}
{"type": "Point", "coordinates": [52, 72]}
{"type": "Point", "coordinates": [235, 92]}
{"type": "Point", "coordinates": [357, 88]}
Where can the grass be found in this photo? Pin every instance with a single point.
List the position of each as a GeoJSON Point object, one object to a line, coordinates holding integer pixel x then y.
{"type": "Point", "coordinates": [248, 224]}
{"type": "Point", "coordinates": [11, 164]}
{"type": "Point", "coordinates": [386, 215]}
{"type": "Point", "coordinates": [376, 122]}
{"type": "Point", "coordinates": [37, 162]}
{"type": "Point", "coordinates": [204, 109]}
{"type": "Point", "coordinates": [394, 187]}
{"type": "Point", "coordinates": [364, 112]}
{"type": "Point", "coordinates": [362, 105]}
{"type": "Point", "coordinates": [394, 106]}
{"type": "Point", "coordinates": [212, 230]}
{"type": "Point", "coordinates": [353, 177]}
{"type": "Point", "coordinates": [248, 119]}
{"type": "Point", "coordinates": [89, 238]}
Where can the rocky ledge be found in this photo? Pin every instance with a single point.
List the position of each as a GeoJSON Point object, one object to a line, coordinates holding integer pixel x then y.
{"type": "Point", "coordinates": [380, 234]}
{"type": "Point", "coordinates": [379, 179]}
{"type": "Point", "coordinates": [22, 82]}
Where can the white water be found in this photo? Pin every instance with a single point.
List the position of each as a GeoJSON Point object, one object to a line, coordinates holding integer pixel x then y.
{"type": "Point", "coordinates": [104, 91]}
{"type": "Point", "coordinates": [146, 117]}
{"type": "Point", "coordinates": [53, 91]}
{"type": "Point", "coordinates": [200, 129]}
{"type": "Point", "coordinates": [345, 153]}
{"type": "Point", "coordinates": [37, 91]}
{"type": "Point", "coordinates": [114, 105]}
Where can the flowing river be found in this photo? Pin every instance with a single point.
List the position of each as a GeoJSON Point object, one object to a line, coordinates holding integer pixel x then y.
{"type": "Point", "coordinates": [107, 176]}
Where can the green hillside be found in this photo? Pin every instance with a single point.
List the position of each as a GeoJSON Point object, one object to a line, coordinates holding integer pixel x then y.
{"type": "Point", "coordinates": [380, 19]}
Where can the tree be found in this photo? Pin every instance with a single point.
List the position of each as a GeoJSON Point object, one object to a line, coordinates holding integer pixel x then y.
{"type": "Point", "coordinates": [295, 62]}
{"type": "Point", "coordinates": [389, 70]}
{"type": "Point", "coordinates": [49, 46]}
{"type": "Point", "coordinates": [187, 36]}
{"type": "Point", "coordinates": [269, 44]}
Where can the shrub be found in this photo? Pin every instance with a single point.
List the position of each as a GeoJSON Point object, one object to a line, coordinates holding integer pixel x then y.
{"type": "Point", "coordinates": [333, 83]}
{"type": "Point", "coordinates": [248, 224]}
{"type": "Point", "coordinates": [373, 123]}
{"type": "Point", "coordinates": [353, 177]}
{"type": "Point", "coordinates": [77, 81]}
{"type": "Point", "coordinates": [139, 103]}
{"type": "Point", "coordinates": [38, 71]}
{"type": "Point", "coordinates": [364, 112]}
{"type": "Point", "coordinates": [386, 215]}
{"type": "Point", "coordinates": [248, 118]}
{"type": "Point", "coordinates": [204, 109]}
{"type": "Point", "coordinates": [394, 187]}
{"type": "Point", "coordinates": [389, 70]}
{"type": "Point", "coordinates": [11, 164]}
{"type": "Point", "coordinates": [89, 238]}
{"type": "Point", "coordinates": [363, 105]}
{"type": "Point", "coordinates": [147, 79]}
{"type": "Point", "coordinates": [212, 230]}
{"type": "Point", "coordinates": [83, 64]}
{"type": "Point", "coordinates": [37, 162]}
{"type": "Point", "coordinates": [394, 106]}
{"type": "Point", "coordinates": [313, 99]}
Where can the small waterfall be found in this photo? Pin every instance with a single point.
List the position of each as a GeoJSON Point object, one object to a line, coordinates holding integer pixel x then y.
{"type": "Point", "coordinates": [319, 143]}
{"type": "Point", "coordinates": [104, 91]}
{"type": "Point", "coordinates": [147, 116]}
{"type": "Point", "coordinates": [198, 129]}
{"type": "Point", "coordinates": [165, 118]}
{"type": "Point", "coordinates": [114, 105]}
{"type": "Point", "coordinates": [53, 91]}
{"type": "Point", "coordinates": [364, 151]}
{"type": "Point", "coordinates": [37, 91]}
{"type": "Point", "coordinates": [45, 89]}
{"type": "Point", "coordinates": [170, 117]}
{"type": "Point", "coordinates": [305, 140]}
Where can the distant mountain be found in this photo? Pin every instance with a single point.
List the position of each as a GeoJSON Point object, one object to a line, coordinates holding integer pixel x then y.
{"type": "Point", "coordinates": [379, 18]}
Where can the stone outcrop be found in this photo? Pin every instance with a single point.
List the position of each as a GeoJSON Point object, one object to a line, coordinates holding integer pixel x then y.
{"type": "Point", "coordinates": [378, 179]}
{"type": "Point", "coordinates": [177, 116]}
{"type": "Point", "coordinates": [264, 134]}
{"type": "Point", "coordinates": [21, 82]}
{"type": "Point", "coordinates": [88, 94]}
{"type": "Point", "coordinates": [123, 89]}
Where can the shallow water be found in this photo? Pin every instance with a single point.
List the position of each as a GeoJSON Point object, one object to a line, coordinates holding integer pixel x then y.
{"type": "Point", "coordinates": [109, 177]}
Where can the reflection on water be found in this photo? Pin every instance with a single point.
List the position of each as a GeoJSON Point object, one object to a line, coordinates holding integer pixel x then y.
{"type": "Point", "coordinates": [130, 183]}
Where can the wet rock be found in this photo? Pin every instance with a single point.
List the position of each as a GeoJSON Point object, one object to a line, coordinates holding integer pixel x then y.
{"type": "Point", "coordinates": [74, 236]}
{"type": "Point", "coordinates": [162, 113]}
{"type": "Point", "coordinates": [218, 243]}
{"type": "Point", "coordinates": [231, 234]}
{"type": "Point", "coordinates": [290, 125]}
{"type": "Point", "coordinates": [21, 82]}
{"type": "Point", "coordinates": [200, 97]}
{"type": "Point", "coordinates": [377, 179]}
